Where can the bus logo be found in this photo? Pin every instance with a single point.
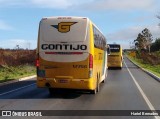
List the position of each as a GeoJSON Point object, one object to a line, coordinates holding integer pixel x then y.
{"type": "Point", "coordinates": [64, 27]}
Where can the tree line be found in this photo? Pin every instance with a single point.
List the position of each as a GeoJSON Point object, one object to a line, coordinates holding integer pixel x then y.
{"type": "Point", "coordinates": [144, 41]}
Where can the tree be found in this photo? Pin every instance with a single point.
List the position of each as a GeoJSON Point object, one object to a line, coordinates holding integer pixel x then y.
{"type": "Point", "coordinates": [140, 42]}
{"type": "Point", "coordinates": [17, 47]}
{"type": "Point", "coordinates": [156, 45]}
{"type": "Point", "coordinates": [148, 38]}
{"type": "Point", "coordinates": [144, 40]}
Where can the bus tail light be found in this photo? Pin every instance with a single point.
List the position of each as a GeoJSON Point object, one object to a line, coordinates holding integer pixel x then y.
{"type": "Point", "coordinates": [37, 61]}
{"type": "Point", "coordinates": [91, 61]}
{"type": "Point", "coordinates": [40, 72]}
{"type": "Point", "coordinates": [90, 65]}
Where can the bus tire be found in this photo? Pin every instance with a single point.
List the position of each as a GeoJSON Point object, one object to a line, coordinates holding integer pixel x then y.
{"type": "Point", "coordinates": [105, 76]}
{"type": "Point", "coordinates": [97, 89]}
{"type": "Point", "coordinates": [104, 81]}
{"type": "Point", "coordinates": [93, 91]}
{"type": "Point", "coordinates": [98, 78]}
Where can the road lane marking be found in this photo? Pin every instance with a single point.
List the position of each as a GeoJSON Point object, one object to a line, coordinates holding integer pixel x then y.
{"type": "Point", "coordinates": [142, 92]}
{"type": "Point", "coordinates": [16, 89]}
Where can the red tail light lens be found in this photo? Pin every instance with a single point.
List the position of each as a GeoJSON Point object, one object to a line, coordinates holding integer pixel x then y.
{"type": "Point", "coordinates": [90, 61]}
{"type": "Point", "coordinates": [37, 62]}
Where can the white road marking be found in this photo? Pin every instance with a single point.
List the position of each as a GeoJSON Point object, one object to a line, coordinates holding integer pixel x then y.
{"type": "Point", "coordinates": [16, 89]}
{"type": "Point", "coordinates": [142, 92]}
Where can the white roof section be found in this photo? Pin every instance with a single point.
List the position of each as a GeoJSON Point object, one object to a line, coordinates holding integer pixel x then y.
{"type": "Point", "coordinates": [64, 29]}
{"type": "Point", "coordinates": [64, 17]}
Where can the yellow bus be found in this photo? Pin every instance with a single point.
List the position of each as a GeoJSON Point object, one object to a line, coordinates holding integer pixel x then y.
{"type": "Point", "coordinates": [71, 54]}
{"type": "Point", "coordinates": [116, 57]}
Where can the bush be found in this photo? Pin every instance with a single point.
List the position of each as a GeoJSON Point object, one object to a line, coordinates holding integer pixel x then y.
{"type": "Point", "coordinates": [17, 57]}
{"type": "Point", "coordinates": [152, 58]}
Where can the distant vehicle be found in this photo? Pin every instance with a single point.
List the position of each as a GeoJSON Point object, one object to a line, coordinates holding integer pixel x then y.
{"type": "Point", "coordinates": [71, 54]}
{"type": "Point", "coordinates": [116, 56]}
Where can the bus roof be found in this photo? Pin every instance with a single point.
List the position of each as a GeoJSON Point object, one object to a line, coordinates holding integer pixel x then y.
{"type": "Point", "coordinates": [70, 17]}
{"type": "Point", "coordinates": [114, 44]}
{"type": "Point", "coordinates": [64, 17]}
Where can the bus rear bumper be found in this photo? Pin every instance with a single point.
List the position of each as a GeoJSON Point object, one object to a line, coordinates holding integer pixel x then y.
{"type": "Point", "coordinates": [119, 64]}
{"type": "Point", "coordinates": [85, 84]}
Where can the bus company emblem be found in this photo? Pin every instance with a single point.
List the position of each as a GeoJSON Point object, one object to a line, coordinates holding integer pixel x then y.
{"type": "Point", "coordinates": [64, 27]}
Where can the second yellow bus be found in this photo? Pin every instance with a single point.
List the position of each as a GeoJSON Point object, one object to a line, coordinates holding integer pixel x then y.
{"type": "Point", "coordinates": [116, 57]}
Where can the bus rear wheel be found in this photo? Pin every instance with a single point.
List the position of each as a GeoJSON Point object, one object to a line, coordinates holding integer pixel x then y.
{"type": "Point", "coordinates": [96, 89]}
{"type": "Point", "coordinates": [93, 91]}
{"type": "Point", "coordinates": [105, 76]}
{"type": "Point", "coordinates": [98, 78]}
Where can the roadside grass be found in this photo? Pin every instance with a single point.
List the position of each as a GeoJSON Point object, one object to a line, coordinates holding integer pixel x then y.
{"type": "Point", "coordinates": [12, 73]}
{"type": "Point", "coordinates": [155, 69]}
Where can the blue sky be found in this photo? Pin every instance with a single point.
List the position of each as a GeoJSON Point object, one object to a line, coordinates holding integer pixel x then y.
{"type": "Point", "coordinates": [119, 20]}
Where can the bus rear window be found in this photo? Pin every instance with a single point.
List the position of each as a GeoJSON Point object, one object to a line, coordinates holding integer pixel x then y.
{"type": "Point", "coordinates": [114, 48]}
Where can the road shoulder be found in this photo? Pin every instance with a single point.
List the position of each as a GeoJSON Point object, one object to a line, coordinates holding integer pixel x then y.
{"type": "Point", "coordinates": [17, 80]}
{"type": "Point", "coordinates": [146, 71]}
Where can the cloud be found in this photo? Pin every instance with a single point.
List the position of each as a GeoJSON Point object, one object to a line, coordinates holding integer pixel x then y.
{"type": "Point", "coordinates": [127, 35]}
{"type": "Point", "coordinates": [155, 30]}
{"type": "Point", "coordinates": [7, 3]}
{"type": "Point", "coordinates": [121, 5]}
{"type": "Point", "coordinates": [51, 4]}
{"type": "Point", "coordinates": [5, 26]}
{"type": "Point", "coordinates": [57, 4]}
{"type": "Point", "coordinates": [84, 4]}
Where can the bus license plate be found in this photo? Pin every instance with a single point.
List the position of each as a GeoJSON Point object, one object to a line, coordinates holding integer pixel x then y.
{"type": "Point", "coordinates": [63, 81]}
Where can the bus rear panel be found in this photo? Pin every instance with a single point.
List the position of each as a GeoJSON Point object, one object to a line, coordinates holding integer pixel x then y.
{"type": "Point", "coordinates": [66, 55]}
{"type": "Point", "coordinates": [115, 57]}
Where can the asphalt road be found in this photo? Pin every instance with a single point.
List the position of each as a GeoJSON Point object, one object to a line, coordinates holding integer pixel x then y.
{"type": "Point", "coordinates": [126, 89]}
